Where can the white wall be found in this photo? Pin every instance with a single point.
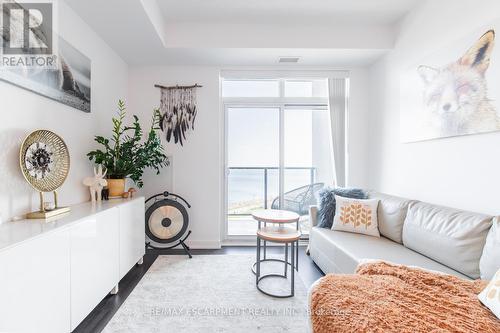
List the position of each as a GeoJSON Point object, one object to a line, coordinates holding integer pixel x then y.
{"type": "Point", "coordinates": [197, 168]}
{"type": "Point", "coordinates": [23, 111]}
{"type": "Point", "coordinates": [460, 172]}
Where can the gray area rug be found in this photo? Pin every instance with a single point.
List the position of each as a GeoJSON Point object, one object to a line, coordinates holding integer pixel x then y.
{"type": "Point", "coordinates": [210, 293]}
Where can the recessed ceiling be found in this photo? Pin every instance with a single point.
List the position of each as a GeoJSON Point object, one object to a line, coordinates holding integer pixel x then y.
{"type": "Point", "coordinates": [338, 33]}
{"type": "Point", "coordinates": [285, 11]}
{"type": "Point", "coordinates": [268, 57]}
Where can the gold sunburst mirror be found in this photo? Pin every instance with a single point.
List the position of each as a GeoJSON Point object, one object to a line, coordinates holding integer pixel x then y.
{"type": "Point", "coordinates": [44, 161]}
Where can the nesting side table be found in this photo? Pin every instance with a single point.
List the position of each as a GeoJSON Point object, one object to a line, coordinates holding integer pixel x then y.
{"type": "Point", "coordinates": [277, 233]}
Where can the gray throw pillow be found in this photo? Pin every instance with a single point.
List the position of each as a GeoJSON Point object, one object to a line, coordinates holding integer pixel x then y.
{"type": "Point", "coordinates": [327, 203]}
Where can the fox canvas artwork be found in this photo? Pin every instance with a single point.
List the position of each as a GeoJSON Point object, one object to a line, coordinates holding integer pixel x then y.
{"type": "Point", "coordinates": [453, 93]}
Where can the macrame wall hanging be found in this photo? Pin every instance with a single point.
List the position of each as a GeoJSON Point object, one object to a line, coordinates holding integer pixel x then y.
{"type": "Point", "coordinates": [178, 110]}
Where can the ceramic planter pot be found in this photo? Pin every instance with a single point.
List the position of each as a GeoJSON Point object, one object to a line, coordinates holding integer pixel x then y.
{"type": "Point", "coordinates": [116, 187]}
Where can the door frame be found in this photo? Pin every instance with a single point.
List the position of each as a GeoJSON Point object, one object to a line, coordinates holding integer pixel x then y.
{"type": "Point", "coordinates": [282, 107]}
{"type": "Point", "coordinates": [280, 102]}
{"type": "Point", "coordinates": [226, 106]}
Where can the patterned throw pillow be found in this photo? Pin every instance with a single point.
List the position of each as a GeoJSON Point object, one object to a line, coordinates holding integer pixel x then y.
{"type": "Point", "coordinates": [356, 215]}
{"type": "Point", "coordinates": [327, 203]}
{"type": "Point", "coordinates": [490, 296]}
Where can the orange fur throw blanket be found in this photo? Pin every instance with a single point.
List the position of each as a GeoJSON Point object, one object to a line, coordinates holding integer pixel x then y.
{"type": "Point", "coordinates": [383, 297]}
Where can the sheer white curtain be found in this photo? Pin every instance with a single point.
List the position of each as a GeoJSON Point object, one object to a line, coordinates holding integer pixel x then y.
{"type": "Point", "coordinates": [338, 104]}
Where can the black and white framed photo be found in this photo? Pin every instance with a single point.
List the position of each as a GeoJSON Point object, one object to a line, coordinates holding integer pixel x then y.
{"type": "Point", "coordinates": [67, 83]}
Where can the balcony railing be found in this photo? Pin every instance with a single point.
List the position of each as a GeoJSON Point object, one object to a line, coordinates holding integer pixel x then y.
{"type": "Point", "coordinates": [266, 173]}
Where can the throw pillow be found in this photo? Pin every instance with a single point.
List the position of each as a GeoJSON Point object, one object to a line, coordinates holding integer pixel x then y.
{"type": "Point", "coordinates": [356, 215]}
{"type": "Point", "coordinates": [326, 210]}
{"type": "Point", "coordinates": [490, 296]}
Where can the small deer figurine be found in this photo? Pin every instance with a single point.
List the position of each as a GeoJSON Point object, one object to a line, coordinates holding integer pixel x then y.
{"type": "Point", "coordinates": [96, 183]}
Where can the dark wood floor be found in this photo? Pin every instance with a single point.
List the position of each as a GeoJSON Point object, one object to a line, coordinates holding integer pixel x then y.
{"type": "Point", "coordinates": [102, 314]}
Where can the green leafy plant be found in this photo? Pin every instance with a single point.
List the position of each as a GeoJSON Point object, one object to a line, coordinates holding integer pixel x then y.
{"type": "Point", "coordinates": [125, 154]}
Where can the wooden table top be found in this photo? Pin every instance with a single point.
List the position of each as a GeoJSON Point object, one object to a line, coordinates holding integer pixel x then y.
{"type": "Point", "coordinates": [275, 216]}
{"type": "Point", "coordinates": [279, 234]}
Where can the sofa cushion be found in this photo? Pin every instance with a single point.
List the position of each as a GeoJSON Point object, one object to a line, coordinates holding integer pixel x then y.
{"type": "Point", "coordinates": [452, 237]}
{"type": "Point", "coordinates": [490, 259]}
{"type": "Point", "coordinates": [341, 252]}
{"type": "Point", "coordinates": [391, 214]}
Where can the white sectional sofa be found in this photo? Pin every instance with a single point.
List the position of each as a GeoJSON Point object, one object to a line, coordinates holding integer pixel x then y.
{"type": "Point", "coordinates": [416, 234]}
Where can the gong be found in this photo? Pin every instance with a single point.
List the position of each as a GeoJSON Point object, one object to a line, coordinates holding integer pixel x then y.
{"type": "Point", "coordinates": [166, 221]}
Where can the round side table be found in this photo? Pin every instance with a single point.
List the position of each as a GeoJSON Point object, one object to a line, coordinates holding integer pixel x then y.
{"type": "Point", "coordinates": [284, 235]}
{"type": "Point", "coordinates": [277, 217]}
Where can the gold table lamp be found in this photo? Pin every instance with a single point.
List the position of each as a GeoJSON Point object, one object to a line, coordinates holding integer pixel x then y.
{"type": "Point", "coordinates": [44, 161]}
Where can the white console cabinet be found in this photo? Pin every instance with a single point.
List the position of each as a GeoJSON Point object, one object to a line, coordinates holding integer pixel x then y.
{"type": "Point", "coordinates": [53, 274]}
{"type": "Point", "coordinates": [35, 285]}
{"type": "Point", "coordinates": [132, 235]}
{"type": "Point", "coordinates": [94, 262]}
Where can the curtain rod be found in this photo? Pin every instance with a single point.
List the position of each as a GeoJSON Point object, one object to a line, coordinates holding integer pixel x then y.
{"type": "Point", "coordinates": [178, 87]}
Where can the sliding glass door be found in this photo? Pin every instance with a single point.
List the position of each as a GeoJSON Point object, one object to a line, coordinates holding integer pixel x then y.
{"type": "Point", "coordinates": [278, 148]}
{"type": "Point", "coordinates": [253, 161]}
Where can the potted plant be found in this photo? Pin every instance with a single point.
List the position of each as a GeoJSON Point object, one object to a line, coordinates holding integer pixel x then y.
{"type": "Point", "coordinates": [126, 154]}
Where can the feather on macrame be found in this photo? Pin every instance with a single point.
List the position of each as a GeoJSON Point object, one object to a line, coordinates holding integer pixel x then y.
{"type": "Point", "coordinates": [178, 108]}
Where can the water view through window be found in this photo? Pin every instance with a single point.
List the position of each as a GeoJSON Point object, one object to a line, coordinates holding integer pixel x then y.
{"type": "Point", "coordinates": [256, 138]}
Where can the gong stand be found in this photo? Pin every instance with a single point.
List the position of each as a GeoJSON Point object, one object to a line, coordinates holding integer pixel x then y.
{"type": "Point", "coordinates": [169, 202]}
